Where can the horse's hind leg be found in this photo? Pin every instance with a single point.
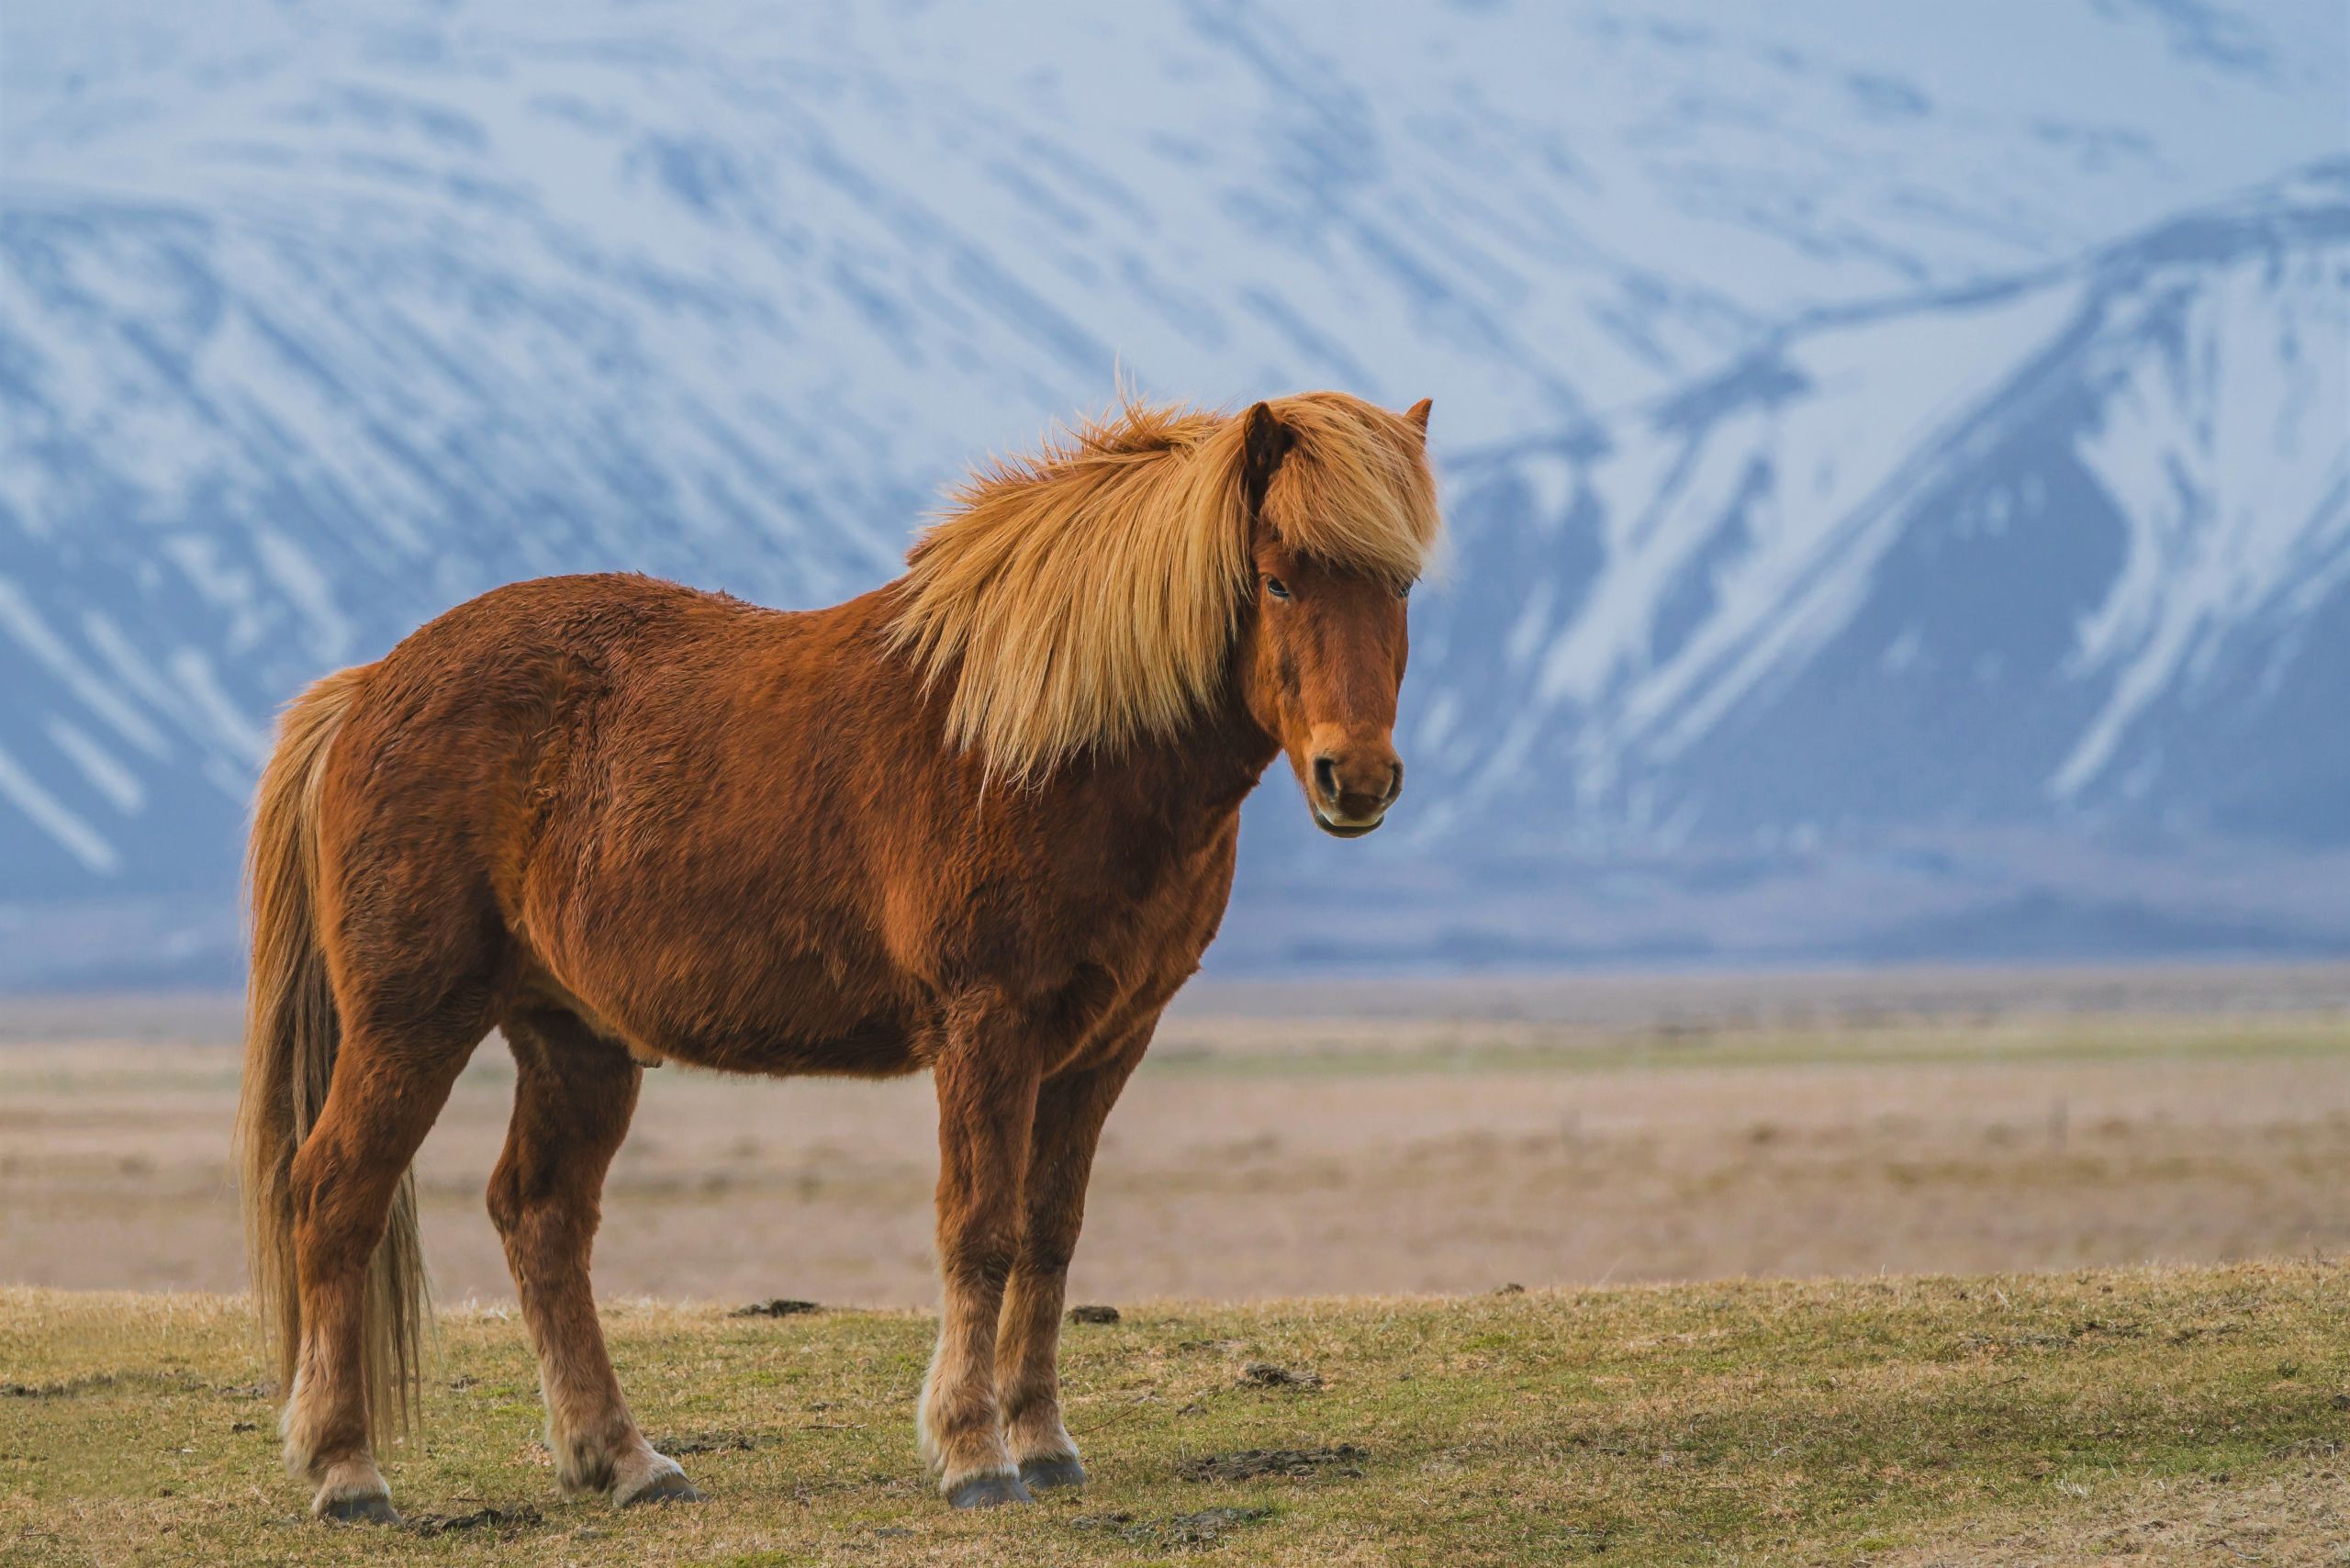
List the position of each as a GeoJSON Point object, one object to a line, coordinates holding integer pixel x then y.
{"type": "Point", "coordinates": [387, 1087]}
{"type": "Point", "coordinates": [574, 1092]}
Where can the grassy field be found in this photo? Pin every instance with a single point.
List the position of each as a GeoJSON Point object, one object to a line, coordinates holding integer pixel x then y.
{"type": "Point", "coordinates": [2178, 1416]}
{"type": "Point", "coordinates": [1412, 1146]}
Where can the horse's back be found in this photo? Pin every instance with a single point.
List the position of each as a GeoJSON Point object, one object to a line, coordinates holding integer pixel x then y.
{"type": "Point", "coordinates": [458, 721]}
{"type": "Point", "coordinates": [492, 724]}
{"type": "Point", "coordinates": [613, 773]}
{"type": "Point", "coordinates": [527, 636]}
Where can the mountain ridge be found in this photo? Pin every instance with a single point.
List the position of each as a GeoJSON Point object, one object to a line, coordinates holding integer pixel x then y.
{"type": "Point", "coordinates": [1857, 539]}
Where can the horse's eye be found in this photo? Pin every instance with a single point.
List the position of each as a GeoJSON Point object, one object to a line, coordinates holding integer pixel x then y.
{"type": "Point", "coordinates": [1404, 591]}
{"type": "Point", "coordinates": [1277, 588]}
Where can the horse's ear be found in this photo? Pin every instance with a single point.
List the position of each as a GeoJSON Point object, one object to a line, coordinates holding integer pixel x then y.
{"type": "Point", "coordinates": [1418, 414]}
{"type": "Point", "coordinates": [1264, 442]}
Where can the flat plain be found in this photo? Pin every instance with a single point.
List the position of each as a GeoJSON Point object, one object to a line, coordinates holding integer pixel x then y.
{"type": "Point", "coordinates": [2063, 1246]}
{"type": "Point", "coordinates": [1378, 1138]}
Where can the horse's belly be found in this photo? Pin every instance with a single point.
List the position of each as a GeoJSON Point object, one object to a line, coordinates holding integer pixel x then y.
{"type": "Point", "coordinates": [787, 1014]}
{"type": "Point", "coordinates": [876, 1047]}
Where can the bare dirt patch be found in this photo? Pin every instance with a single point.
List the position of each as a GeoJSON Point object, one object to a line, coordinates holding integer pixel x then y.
{"type": "Point", "coordinates": [496, 1521]}
{"type": "Point", "coordinates": [1278, 1154]}
{"type": "Point", "coordinates": [1265, 1374]}
{"type": "Point", "coordinates": [1207, 1527]}
{"type": "Point", "coordinates": [1252, 1464]}
{"type": "Point", "coordinates": [705, 1442]}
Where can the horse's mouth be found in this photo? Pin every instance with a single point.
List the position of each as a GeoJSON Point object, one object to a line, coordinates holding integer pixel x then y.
{"type": "Point", "coordinates": [1346, 830]}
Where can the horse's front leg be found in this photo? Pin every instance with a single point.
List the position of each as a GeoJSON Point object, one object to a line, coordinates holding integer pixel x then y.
{"type": "Point", "coordinates": [1069, 1112]}
{"type": "Point", "coordinates": [987, 1100]}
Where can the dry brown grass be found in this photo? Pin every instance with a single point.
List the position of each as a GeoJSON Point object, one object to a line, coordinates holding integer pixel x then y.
{"type": "Point", "coordinates": [2180, 1416]}
{"type": "Point", "coordinates": [2173, 1415]}
{"type": "Point", "coordinates": [1277, 1157]}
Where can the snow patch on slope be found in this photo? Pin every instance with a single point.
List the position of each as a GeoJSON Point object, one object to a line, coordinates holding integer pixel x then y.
{"type": "Point", "coordinates": [53, 817]}
{"type": "Point", "coordinates": [1770, 514]}
{"type": "Point", "coordinates": [2228, 449]}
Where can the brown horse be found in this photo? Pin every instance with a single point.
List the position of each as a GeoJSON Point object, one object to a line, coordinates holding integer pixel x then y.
{"type": "Point", "coordinates": [979, 821]}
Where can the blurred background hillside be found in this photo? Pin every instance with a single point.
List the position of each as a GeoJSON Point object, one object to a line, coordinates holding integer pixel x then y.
{"type": "Point", "coordinates": [1899, 455]}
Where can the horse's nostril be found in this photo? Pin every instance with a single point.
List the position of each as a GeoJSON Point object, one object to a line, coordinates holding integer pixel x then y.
{"type": "Point", "coordinates": [1326, 777]}
{"type": "Point", "coordinates": [1394, 783]}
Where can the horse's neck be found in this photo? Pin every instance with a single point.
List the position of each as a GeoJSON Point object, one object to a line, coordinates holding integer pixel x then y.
{"type": "Point", "coordinates": [1190, 783]}
{"type": "Point", "coordinates": [1222, 761]}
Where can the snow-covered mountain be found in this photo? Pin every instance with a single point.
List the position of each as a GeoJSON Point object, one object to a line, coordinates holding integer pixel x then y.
{"type": "Point", "coordinates": [1890, 621]}
{"type": "Point", "coordinates": [2079, 544]}
{"type": "Point", "coordinates": [1899, 475]}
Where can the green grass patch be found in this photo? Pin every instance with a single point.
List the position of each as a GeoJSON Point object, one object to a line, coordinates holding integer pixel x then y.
{"type": "Point", "coordinates": [1836, 1421]}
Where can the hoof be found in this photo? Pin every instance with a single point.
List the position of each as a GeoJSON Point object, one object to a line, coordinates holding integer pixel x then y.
{"type": "Point", "coordinates": [989, 1491]}
{"type": "Point", "coordinates": [1038, 1475]}
{"type": "Point", "coordinates": [370, 1508]}
{"type": "Point", "coordinates": [670, 1487]}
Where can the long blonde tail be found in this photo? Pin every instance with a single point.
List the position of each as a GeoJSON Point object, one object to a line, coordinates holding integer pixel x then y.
{"type": "Point", "coordinates": [291, 1034]}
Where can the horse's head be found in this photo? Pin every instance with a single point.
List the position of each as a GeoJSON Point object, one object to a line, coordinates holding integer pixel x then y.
{"type": "Point", "coordinates": [1321, 651]}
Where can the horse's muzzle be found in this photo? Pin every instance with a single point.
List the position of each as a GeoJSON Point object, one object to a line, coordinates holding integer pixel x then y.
{"type": "Point", "coordinates": [1347, 829]}
{"type": "Point", "coordinates": [1351, 788]}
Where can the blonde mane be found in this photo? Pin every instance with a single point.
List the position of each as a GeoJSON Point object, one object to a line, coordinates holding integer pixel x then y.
{"type": "Point", "coordinates": [1088, 595]}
